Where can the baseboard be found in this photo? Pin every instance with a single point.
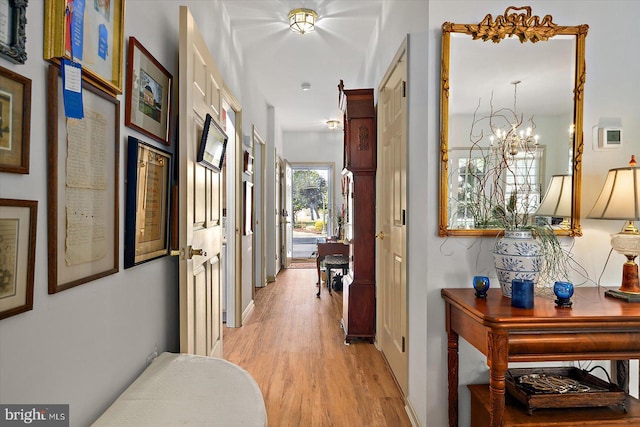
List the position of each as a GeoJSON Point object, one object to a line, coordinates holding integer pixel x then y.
{"type": "Point", "coordinates": [412, 414]}
{"type": "Point", "coordinates": [271, 279]}
{"type": "Point", "coordinates": [247, 311]}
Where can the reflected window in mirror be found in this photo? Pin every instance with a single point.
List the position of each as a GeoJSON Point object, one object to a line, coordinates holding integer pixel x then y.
{"type": "Point", "coordinates": [503, 80]}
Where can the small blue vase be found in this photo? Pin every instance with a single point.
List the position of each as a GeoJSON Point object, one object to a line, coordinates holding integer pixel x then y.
{"type": "Point", "coordinates": [564, 291]}
{"type": "Point", "coordinates": [522, 293]}
{"type": "Point", "coordinates": [481, 285]}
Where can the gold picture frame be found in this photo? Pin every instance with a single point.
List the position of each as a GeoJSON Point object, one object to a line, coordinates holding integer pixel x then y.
{"type": "Point", "coordinates": [101, 39]}
{"type": "Point", "coordinates": [15, 121]}
{"type": "Point", "coordinates": [147, 203]}
{"type": "Point", "coordinates": [82, 190]}
{"type": "Point", "coordinates": [18, 221]}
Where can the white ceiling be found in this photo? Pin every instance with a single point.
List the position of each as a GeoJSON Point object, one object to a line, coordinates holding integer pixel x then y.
{"type": "Point", "coordinates": [285, 60]}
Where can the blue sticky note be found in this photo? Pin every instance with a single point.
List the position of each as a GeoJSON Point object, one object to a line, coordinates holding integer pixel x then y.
{"type": "Point", "coordinates": [77, 29]}
{"type": "Point", "coordinates": [72, 89]}
{"type": "Point", "coordinates": [103, 42]}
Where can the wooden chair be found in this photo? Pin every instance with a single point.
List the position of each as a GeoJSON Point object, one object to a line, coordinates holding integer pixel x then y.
{"type": "Point", "coordinates": [331, 248]}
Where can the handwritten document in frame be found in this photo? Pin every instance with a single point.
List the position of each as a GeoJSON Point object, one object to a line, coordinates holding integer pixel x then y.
{"type": "Point", "coordinates": [82, 188]}
{"type": "Point", "coordinates": [147, 203]}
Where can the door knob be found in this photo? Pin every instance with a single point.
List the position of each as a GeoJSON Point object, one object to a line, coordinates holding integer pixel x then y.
{"type": "Point", "coordinates": [380, 235]}
{"type": "Point", "coordinates": [177, 252]}
{"type": "Point", "coordinates": [196, 252]}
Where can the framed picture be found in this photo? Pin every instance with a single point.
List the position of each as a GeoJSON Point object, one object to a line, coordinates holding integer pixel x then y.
{"type": "Point", "coordinates": [82, 191]}
{"type": "Point", "coordinates": [147, 208]}
{"type": "Point", "coordinates": [93, 37]}
{"type": "Point", "coordinates": [148, 94]}
{"type": "Point", "coordinates": [248, 163]}
{"type": "Point", "coordinates": [248, 208]}
{"type": "Point", "coordinates": [15, 121]}
{"type": "Point", "coordinates": [18, 219]}
{"type": "Point", "coordinates": [213, 145]}
{"type": "Point", "coordinates": [13, 22]}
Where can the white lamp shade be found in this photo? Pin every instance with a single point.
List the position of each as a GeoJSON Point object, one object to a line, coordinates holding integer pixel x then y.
{"type": "Point", "coordinates": [620, 196]}
{"type": "Point", "coordinates": [557, 200]}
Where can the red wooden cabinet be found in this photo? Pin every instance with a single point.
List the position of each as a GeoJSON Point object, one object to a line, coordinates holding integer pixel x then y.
{"type": "Point", "coordinates": [359, 295]}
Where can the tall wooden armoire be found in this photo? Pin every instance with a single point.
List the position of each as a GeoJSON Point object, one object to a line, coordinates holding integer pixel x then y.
{"type": "Point", "coordinates": [359, 294]}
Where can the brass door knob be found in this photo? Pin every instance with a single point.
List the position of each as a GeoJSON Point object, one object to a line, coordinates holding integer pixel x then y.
{"type": "Point", "coordinates": [198, 252]}
{"type": "Point", "coordinates": [380, 235]}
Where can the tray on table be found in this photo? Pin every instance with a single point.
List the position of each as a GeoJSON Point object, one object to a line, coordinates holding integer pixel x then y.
{"type": "Point", "coordinates": [590, 391]}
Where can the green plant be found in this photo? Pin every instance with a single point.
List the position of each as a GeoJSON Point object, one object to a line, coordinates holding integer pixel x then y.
{"type": "Point", "coordinates": [319, 225]}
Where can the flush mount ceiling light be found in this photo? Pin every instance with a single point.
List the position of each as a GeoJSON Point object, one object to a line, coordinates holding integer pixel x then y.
{"type": "Point", "coordinates": [333, 124]}
{"type": "Point", "coordinates": [305, 86]}
{"type": "Point", "coordinates": [302, 20]}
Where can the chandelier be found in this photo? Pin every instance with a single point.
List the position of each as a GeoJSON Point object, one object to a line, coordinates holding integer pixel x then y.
{"type": "Point", "coordinates": [514, 140]}
{"type": "Point", "coordinates": [302, 20]}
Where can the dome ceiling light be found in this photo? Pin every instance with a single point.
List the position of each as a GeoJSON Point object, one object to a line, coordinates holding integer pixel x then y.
{"type": "Point", "coordinates": [302, 20]}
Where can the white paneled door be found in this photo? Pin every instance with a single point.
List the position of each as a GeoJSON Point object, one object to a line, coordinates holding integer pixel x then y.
{"type": "Point", "coordinates": [200, 209]}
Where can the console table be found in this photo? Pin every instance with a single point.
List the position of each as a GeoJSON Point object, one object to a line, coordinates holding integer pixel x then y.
{"type": "Point", "coordinates": [595, 328]}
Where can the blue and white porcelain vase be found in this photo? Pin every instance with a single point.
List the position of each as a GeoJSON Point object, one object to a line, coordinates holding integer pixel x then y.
{"type": "Point", "coordinates": [517, 255]}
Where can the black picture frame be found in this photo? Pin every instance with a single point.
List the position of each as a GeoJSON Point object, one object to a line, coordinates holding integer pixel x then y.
{"type": "Point", "coordinates": [213, 145]}
{"type": "Point", "coordinates": [15, 35]}
{"type": "Point", "coordinates": [148, 198]}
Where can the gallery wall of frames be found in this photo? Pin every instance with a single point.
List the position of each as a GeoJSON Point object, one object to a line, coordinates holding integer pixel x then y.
{"type": "Point", "coordinates": [85, 52]}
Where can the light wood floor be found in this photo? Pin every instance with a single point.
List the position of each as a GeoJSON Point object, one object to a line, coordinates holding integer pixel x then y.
{"type": "Point", "coordinates": [294, 348]}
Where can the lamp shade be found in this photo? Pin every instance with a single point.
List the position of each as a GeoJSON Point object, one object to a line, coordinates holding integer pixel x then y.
{"type": "Point", "coordinates": [557, 200]}
{"type": "Point", "coordinates": [620, 196]}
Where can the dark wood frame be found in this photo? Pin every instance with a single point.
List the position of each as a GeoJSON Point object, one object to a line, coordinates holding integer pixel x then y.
{"type": "Point", "coordinates": [55, 116]}
{"type": "Point", "coordinates": [15, 51]}
{"type": "Point", "coordinates": [207, 143]}
{"type": "Point", "coordinates": [133, 254]}
{"type": "Point", "coordinates": [22, 138]}
{"type": "Point", "coordinates": [32, 207]}
{"type": "Point", "coordinates": [248, 163]}
{"type": "Point", "coordinates": [132, 94]}
{"type": "Point", "coordinates": [56, 33]}
{"type": "Point", "coordinates": [248, 208]}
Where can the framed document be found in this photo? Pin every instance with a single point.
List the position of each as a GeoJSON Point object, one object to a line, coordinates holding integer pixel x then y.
{"type": "Point", "coordinates": [82, 189]}
{"type": "Point", "coordinates": [18, 219]}
{"type": "Point", "coordinates": [148, 95]}
{"type": "Point", "coordinates": [15, 121]}
{"type": "Point", "coordinates": [147, 208]}
{"type": "Point", "coordinates": [13, 22]}
{"type": "Point", "coordinates": [93, 37]}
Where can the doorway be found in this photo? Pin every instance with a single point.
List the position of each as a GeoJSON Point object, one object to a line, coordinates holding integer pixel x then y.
{"type": "Point", "coordinates": [312, 208]}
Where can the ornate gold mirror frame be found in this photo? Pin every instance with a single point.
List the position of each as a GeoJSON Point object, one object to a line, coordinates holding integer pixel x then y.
{"type": "Point", "coordinates": [517, 23]}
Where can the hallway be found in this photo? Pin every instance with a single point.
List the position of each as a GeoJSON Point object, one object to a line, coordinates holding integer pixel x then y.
{"type": "Point", "coordinates": [294, 348]}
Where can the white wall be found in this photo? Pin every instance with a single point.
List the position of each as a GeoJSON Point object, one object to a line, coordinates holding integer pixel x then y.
{"type": "Point", "coordinates": [83, 346]}
{"type": "Point", "coordinates": [610, 92]}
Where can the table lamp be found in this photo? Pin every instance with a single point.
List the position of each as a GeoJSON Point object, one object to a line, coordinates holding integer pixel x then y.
{"type": "Point", "coordinates": [557, 200]}
{"type": "Point", "coordinates": [620, 199]}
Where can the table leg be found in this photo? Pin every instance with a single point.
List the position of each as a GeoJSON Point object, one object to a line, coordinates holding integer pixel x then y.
{"type": "Point", "coordinates": [498, 359]}
{"type": "Point", "coordinates": [452, 361]}
{"type": "Point", "coordinates": [622, 374]}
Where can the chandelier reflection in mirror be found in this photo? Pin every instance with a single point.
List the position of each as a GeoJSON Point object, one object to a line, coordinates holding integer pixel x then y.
{"type": "Point", "coordinates": [499, 178]}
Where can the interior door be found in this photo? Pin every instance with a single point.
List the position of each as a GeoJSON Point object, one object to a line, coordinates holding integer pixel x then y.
{"type": "Point", "coordinates": [279, 214]}
{"type": "Point", "coordinates": [288, 213]}
{"type": "Point", "coordinates": [391, 248]}
{"type": "Point", "coordinates": [200, 209]}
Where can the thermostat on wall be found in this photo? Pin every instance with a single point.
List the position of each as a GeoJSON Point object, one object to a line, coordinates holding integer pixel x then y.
{"type": "Point", "coordinates": [610, 137]}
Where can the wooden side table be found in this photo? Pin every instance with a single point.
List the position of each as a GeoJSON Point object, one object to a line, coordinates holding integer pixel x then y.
{"type": "Point", "coordinates": [595, 328]}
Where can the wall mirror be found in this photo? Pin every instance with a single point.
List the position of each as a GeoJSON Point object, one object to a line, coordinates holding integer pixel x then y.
{"type": "Point", "coordinates": [511, 112]}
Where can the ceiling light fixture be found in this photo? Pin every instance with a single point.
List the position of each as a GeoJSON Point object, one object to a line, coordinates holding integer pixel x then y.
{"type": "Point", "coordinates": [333, 124]}
{"type": "Point", "coordinates": [305, 86]}
{"type": "Point", "coordinates": [302, 20]}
